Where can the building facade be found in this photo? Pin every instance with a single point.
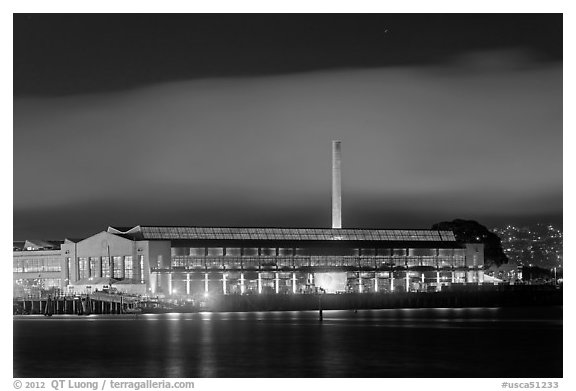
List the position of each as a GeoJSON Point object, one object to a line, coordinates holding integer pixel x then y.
{"type": "Point", "coordinates": [37, 267]}
{"type": "Point", "coordinates": [206, 261]}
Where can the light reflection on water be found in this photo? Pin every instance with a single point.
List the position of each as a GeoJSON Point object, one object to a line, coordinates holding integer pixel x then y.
{"type": "Point", "coordinates": [365, 343]}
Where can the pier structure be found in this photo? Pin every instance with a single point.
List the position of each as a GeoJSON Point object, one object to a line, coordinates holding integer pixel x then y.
{"type": "Point", "coordinates": [97, 303]}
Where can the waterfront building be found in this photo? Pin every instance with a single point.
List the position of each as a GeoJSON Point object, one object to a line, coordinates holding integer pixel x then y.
{"type": "Point", "coordinates": [195, 261]}
{"type": "Point", "coordinates": [37, 266]}
{"type": "Point", "coordinates": [174, 261]}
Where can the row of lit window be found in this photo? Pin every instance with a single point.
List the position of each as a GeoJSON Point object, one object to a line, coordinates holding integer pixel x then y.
{"type": "Point", "coordinates": [42, 264]}
{"type": "Point", "coordinates": [274, 251]}
{"type": "Point", "coordinates": [114, 267]}
{"type": "Point", "coordinates": [315, 261]}
{"type": "Point", "coordinates": [41, 283]}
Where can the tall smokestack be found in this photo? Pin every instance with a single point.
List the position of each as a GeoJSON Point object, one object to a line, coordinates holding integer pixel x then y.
{"type": "Point", "coordinates": [336, 185]}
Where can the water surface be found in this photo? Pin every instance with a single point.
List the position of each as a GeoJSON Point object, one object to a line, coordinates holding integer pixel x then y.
{"type": "Point", "coordinates": [475, 342]}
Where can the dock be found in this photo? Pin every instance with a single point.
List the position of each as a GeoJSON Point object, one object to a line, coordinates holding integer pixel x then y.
{"type": "Point", "coordinates": [96, 303]}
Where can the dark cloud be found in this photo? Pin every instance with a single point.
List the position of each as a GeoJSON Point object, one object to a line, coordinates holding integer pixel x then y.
{"type": "Point", "coordinates": [420, 144]}
{"type": "Point", "coordinates": [60, 54]}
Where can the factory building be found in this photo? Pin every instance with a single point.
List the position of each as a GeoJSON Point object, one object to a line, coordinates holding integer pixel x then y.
{"type": "Point", "coordinates": [200, 260]}
{"type": "Point", "coordinates": [164, 260]}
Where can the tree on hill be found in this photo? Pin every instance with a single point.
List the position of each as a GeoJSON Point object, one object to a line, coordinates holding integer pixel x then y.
{"type": "Point", "coordinates": [470, 231]}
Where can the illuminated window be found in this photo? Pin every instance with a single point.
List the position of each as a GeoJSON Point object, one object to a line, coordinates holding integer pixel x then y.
{"type": "Point", "coordinates": [18, 266]}
{"type": "Point", "coordinates": [233, 251]}
{"type": "Point", "coordinates": [421, 252]}
{"type": "Point", "coordinates": [285, 262]}
{"type": "Point", "coordinates": [118, 267]}
{"type": "Point", "coordinates": [179, 251]}
{"type": "Point", "coordinates": [181, 261]}
{"type": "Point", "coordinates": [106, 267]}
{"type": "Point", "coordinates": [215, 251]}
{"type": "Point", "coordinates": [83, 271]}
{"type": "Point", "coordinates": [285, 252]}
{"type": "Point", "coordinates": [197, 251]}
{"type": "Point", "coordinates": [141, 263]}
{"type": "Point", "coordinates": [250, 263]}
{"type": "Point", "coordinates": [128, 267]}
{"type": "Point", "coordinates": [196, 262]}
{"type": "Point", "coordinates": [301, 262]}
{"type": "Point", "coordinates": [214, 263]}
{"type": "Point", "coordinates": [250, 252]}
{"type": "Point", "coordinates": [93, 267]}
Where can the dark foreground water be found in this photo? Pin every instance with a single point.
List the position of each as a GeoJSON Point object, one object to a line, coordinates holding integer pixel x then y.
{"type": "Point", "coordinates": [479, 342]}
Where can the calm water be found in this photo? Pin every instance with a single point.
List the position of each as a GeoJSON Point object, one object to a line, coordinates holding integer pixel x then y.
{"type": "Point", "coordinates": [482, 342]}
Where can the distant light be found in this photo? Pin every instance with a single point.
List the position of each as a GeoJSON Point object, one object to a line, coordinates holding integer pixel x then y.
{"type": "Point", "coordinates": [205, 294]}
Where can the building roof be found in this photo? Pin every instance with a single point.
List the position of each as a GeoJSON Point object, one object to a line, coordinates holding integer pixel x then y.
{"type": "Point", "coordinates": [36, 244]}
{"type": "Point", "coordinates": [324, 234]}
{"type": "Point", "coordinates": [73, 240]}
{"type": "Point", "coordinates": [120, 229]}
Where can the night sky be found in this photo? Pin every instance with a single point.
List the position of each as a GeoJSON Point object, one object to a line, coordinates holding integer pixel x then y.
{"type": "Point", "coordinates": [214, 120]}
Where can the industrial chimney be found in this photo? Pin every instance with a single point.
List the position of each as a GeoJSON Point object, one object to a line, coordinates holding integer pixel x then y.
{"type": "Point", "coordinates": [336, 185]}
